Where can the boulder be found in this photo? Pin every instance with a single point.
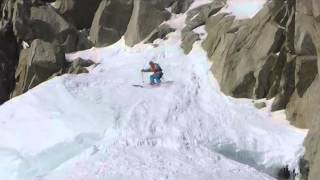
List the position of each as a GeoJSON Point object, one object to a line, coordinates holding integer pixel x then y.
{"type": "Point", "coordinates": [78, 12]}
{"type": "Point", "coordinates": [37, 64]}
{"type": "Point", "coordinates": [78, 66]}
{"type": "Point", "coordinates": [44, 22]}
{"type": "Point", "coordinates": [260, 105]}
{"type": "Point", "coordinates": [188, 39]}
{"type": "Point", "coordinates": [159, 33]}
{"type": "Point", "coordinates": [110, 21]}
{"type": "Point", "coordinates": [145, 18]}
{"type": "Point", "coordinates": [198, 16]}
{"type": "Point", "coordinates": [181, 6]}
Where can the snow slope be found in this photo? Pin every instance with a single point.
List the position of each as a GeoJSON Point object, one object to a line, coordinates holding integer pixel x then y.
{"type": "Point", "coordinates": [97, 126]}
{"type": "Point", "coordinates": [244, 8]}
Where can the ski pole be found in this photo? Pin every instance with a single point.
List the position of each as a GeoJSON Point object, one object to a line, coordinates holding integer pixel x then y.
{"type": "Point", "coordinates": [142, 78]}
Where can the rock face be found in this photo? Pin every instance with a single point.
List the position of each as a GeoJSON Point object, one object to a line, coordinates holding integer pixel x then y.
{"type": "Point", "coordinates": [145, 18]}
{"type": "Point", "coordinates": [196, 18]}
{"type": "Point", "coordinates": [78, 12]}
{"type": "Point", "coordinates": [181, 6]}
{"type": "Point", "coordinates": [110, 21]}
{"type": "Point", "coordinates": [159, 33]}
{"type": "Point", "coordinates": [300, 108]}
{"type": "Point", "coordinates": [37, 64]}
{"type": "Point", "coordinates": [306, 108]}
{"type": "Point", "coordinates": [245, 53]}
{"type": "Point", "coordinates": [309, 7]}
{"type": "Point", "coordinates": [276, 54]}
{"type": "Point", "coordinates": [8, 51]}
{"type": "Point", "coordinates": [43, 22]}
{"type": "Point", "coordinates": [33, 22]}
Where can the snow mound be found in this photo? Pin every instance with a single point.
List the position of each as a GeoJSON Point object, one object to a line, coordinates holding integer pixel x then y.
{"type": "Point", "coordinates": [98, 126]}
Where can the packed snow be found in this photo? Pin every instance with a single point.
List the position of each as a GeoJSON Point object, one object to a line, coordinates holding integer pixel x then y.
{"type": "Point", "coordinates": [98, 126]}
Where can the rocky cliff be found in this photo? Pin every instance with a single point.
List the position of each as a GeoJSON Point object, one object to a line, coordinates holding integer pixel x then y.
{"type": "Point", "coordinates": [273, 55]}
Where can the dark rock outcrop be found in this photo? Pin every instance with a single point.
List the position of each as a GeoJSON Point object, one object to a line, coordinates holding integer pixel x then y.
{"type": "Point", "coordinates": [9, 50]}
{"type": "Point", "coordinates": [37, 64]}
{"type": "Point", "coordinates": [159, 33]}
{"type": "Point", "coordinates": [145, 18]}
{"type": "Point", "coordinates": [110, 21]}
{"type": "Point", "coordinates": [260, 105]}
{"type": "Point", "coordinates": [78, 66]}
{"type": "Point", "coordinates": [188, 39]}
{"type": "Point", "coordinates": [44, 22]}
{"type": "Point", "coordinates": [78, 12]}
{"type": "Point", "coordinates": [181, 6]}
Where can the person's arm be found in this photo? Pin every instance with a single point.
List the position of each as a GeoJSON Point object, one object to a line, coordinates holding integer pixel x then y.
{"type": "Point", "coordinates": [146, 70]}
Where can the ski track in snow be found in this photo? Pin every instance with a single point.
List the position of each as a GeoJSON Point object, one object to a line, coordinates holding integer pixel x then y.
{"type": "Point", "coordinates": [97, 126]}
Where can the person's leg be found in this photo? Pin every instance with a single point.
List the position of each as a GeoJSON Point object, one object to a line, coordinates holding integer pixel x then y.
{"type": "Point", "coordinates": [152, 78]}
{"type": "Point", "coordinates": [158, 79]}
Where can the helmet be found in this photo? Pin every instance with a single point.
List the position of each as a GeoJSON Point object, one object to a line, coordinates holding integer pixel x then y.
{"type": "Point", "coordinates": [151, 62]}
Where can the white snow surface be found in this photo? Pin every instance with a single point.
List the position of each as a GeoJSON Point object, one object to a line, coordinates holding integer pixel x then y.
{"type": "Point", "coordinates": [243, 9]}
{"type": "Point", "coordinates": [98, 126]}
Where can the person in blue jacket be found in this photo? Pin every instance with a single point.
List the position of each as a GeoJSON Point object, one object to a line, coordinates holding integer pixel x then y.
{"type": "Point", "coordinates": [155, 68]}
